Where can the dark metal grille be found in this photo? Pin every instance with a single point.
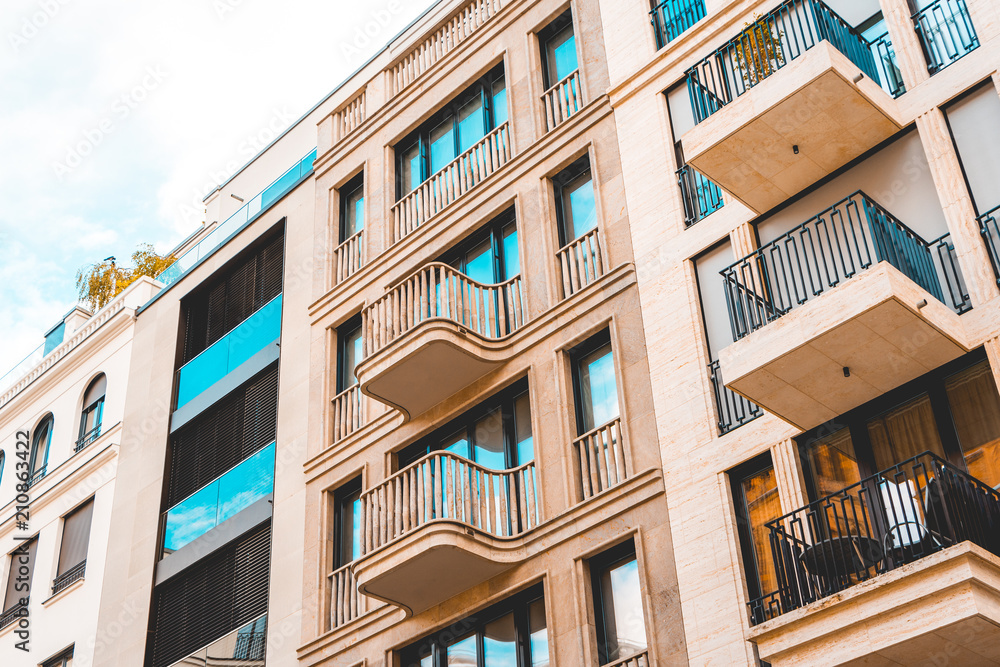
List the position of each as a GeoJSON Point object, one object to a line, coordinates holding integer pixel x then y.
{"type": "Point", "coordinates": [211, 598]}
{"type": "Point", "coordinates": [990, 230]}
{"type": "Point", "coordinates": [230, 299]}
{"type": "Point", "coordinates": [670, 18]}
{"type": "Point", "coordinates": [230, 431]}
{"type": "Point", "coordinates": [10, 615]}
{"type": "Point", "coordinates": [88, 437]}
{"type": "Point", "coordinates": [734, 410]}
{"type": "Point", "coordinates": [911, 510]}
{"type": "Point", "coordinates": [38, 476]}
{"type": "Point", "coordinates": [63, 581]}
{"type": "Point", "coordinates": [700, 195]}
{"type": "Point", "coordinates": [946, 33]}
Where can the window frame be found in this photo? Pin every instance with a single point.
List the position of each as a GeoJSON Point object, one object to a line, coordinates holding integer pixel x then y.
{"type": "Point", "coordinates": [48, 421]}
{"type": "Point", "coordinates": [744, 535]}
{"type": "Point", "coordinates": [618, 554]}
{"type": "Point", "coordinates": [576, 354]}
{"type": "Point", "coordinates": [344, 332]}
{"type": "Point", "coordinates": [517, 604]}
{"type": "Point", "coordinates": [62, 659]}
{"type": "Point", "coordinates": [62, 541]}
{"type": "Point", "coordinates": [420, 138]}
{"type": "Point", "coordinates": [344, 193]}
{"type": "Point", "coordinates": [32, 557]}
{"type": "Point", "coordinates": [546, 35]}
{"type": "Point", "coordinates": [560, 184]}
{"type": "Point", "coordinates": [504, 400]}
{"type": "Point", "coordinates": [341, 496]}
{"type": "Point", "coordinates": [97, 406]}
{"type": "Point", "coordinates": [494, 231]}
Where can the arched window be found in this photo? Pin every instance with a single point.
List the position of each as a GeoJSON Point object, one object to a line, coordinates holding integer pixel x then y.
{"type": "Point", "coordinates": [40, 449]}
{"type": "Point", "coordinates": [3, 458]}
{"type": "Point", "coordinates": [93, 409]}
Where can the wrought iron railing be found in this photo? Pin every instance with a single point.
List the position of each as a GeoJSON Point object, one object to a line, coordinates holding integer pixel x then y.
{"type": "Point", "coordinates": [733, 410]}
{"type": "Point", "coordinates": [885, 61]}
{"type": "Point", "coordinates": [765, 46]}
{"type": "Point", "coordinates": [670, 18]}
{"type": "Point", "coordinates": [87, 438]}
{"type": "Point", "coordinates": [816, 256]}
{"type": "Point", "coordinates": [904, 513]}
{"type": "Point", "coordinates": [11, 615]}
{"type": "Point", "coordinates": [446, 487]}
{"type": "Point", "coordinates": [990, 230]}
{"type": "Point", "coordinates": [37, 476]}
{"type": "Point", "coordinates": [946, 33]}
{"type": "Point", "coordinates": [68, 577]}
{"type": "Point", "coordinates": [953, 287]}
{"type": "Point", "coordinates": [250, 646]}
{"type": "Point", "coordinates": [701, 196]}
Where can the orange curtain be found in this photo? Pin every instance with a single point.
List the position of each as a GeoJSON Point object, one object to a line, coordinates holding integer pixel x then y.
{"type": "Point", "coordinates": [904, 432]}
{"type": "Point", "coordinates": [763, 505]}
{"type": "Point", "coordinates": [975, 407]}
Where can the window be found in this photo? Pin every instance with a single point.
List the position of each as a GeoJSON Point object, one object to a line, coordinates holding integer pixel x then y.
{"type": "Point", "coordinates": [756, 501]}
{"type": "Point", "coordinates": [621, 625]}
{"type": "Point", "coordinates": [491, 255]}
{"type": "Point", "coordinates": [510, 634]}
{"type": "Point", "coordinates": [495, 434]}
{"type": "Point", "coordinates": [75, 538]}
{"type": "Point", "coordinates": [93, 411]}
{"type": "Point", "coordinates": [575, 207]}
{"type": "Point", "coordinates": [64, 659]}
{"type": "Point", "coordinates": [347, 523]}
{"type": "Point", "coordinates": [3, 458]}
{"type": "Point", "coordinates": [40, 449]}
{"type": "Point", "coordinates": [558, 49]}
{"type": "Point", "coordinates": [350, 352]}
{"type": "Point", "coordinates": [352, 207]}
{"type": "Point", "coordinates": [22, 564]}
{"type": "Point", "coordinates": [453, 130]}
{"type": "Point", "coordinates": [594, 384]}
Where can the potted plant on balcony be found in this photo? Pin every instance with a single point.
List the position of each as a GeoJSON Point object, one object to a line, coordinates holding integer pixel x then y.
{"type": "Point", "coordinates": [758, 51]}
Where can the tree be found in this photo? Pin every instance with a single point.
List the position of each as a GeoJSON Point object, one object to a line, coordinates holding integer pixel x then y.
{"type": "Point", "coordinates": [758, 51]}
{"type": "Point", "coordinates": [99, 283]}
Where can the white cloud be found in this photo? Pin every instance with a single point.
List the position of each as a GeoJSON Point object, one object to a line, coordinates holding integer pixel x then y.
{"type": "Point", "coordinates": [150, 102]}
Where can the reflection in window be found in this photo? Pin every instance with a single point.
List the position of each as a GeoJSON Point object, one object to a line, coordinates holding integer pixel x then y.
{"type": "Point", "coordinates": [559, 50]}
{"type": "Point", "coordinates": [349, 352]}
{"type": "Point", "coordinates": [621, 624]}
{"type": "Point", "coordinates": [595, 384]}
{"type": "Point", "coordinates": [347, 528]}
{"type": "Point", "coordinates": [756, 501]}
{"type": "Point", "coordinates": [831, 462]}
{"type": "Point", "coordinates": [40, 449]}
{"type": "Point", "coordinates": [93, 409]}
{"type": "Point", "coordinates": [352, 208]}
{"type": "Point", "coordinates": [509, 634]}
{"type": "Point", "coordinates": [975, 407]}
{"type": "Point", "coordinates": [489, 256]}
{"type": "Point", "coordinates": [577, 211]}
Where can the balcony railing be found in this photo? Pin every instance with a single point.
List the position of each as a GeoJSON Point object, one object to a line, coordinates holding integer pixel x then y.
{"type": "Point", "coordinates": [349, 256]}
{"type": "Point", "coordinates": [581, 262]}
{"type": "Point", "coordinates": [225, 355]}
{"type": "Point", "coordinates": [635, 660]}
{"type": "Point", "coordinates": [601, 456]}
{"type": "Point", "coordinates": [954, 289]}
{"type": "Point", "coordinates": [906, 512]}
{"type": "Point", "coordinates": [454, 180]}
{"type": "Point", "coordinates": [87, 438]}
{"type": "Point", "coordinates": [885, 61]}
{"type": "Point", "coordinates": [351, 411]}
{"type": "Point", "coordinates": [446, 487]}
{"type": "Point", "coordinates": [733, 410]}
{"type": "Point", "coordinates": [768, 44]}
{"type": "Point", "coordinates": [946, 33]}
{"type": "Point", "coordinates": [346, 603]}
{"type": "Point", "coordinates": [349, 116]}
{"type": "Point", "coordinates": [37, 476]}
{"type": "Point", "coordinates": [22, 367]}
{"type": "Point", "coordinates": [816, 256]}
{"type": "Point", "coordinates": [218, 236]}
{"type": "Point", "coordinates": [437, 291]}
{"type": "Point", "coordinates": [990, 231]}
{"type": "Point", "coordinates": [670, 18]}
{"type": "Point", "coordinates": [221, 499]}
{"type": "Point", "coordinates": [12, 615]}
{"type": "Point", "coordinates": [562, 100]}
{"type": "Point", "coordinates": [64, 580]}
{"type": "Point", "coordinates": [701, 196]}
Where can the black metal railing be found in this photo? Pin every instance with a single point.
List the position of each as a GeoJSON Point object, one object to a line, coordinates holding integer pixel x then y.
{"type": "Point", "coordinates": [250, 646]}
{"type": "Point", "coordinates": [700, 195]}
{"type": "Point", "coordinates": [670, 18]}
{"type": "Point", "coordinates": [911, 510]}
{"type": "Point", "coordinates": [765, 46]}
{"type": "Point", "coordinates": [946, 33]}
{"type": "Point", "coordinates": [990, 230]}
{"type": "Point", "coordinates": [953, 287]}
{"type": "Point", "coordinates": [37, 476]}
{"type": "Point", "coordinates": [733, 410]}
{"type": "Point", "coordinates": [826, 250]}
{"type": "Point", "coordinates": [88, 437]}
{"type": "Point", "coordinates": [885, 60]}
{"type": "Point", "coordinates": [71, 575]}
{"type": "Point", "coordinates": [11, 615]}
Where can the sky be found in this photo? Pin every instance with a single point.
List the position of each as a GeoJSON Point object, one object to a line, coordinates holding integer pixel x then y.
{"type": "Point", "coordinates": [117, 118]}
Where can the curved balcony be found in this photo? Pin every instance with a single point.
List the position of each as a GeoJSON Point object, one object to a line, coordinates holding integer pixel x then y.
{"type": "Point", "coordinates": [435, 333]}
{"type": "Point", "coordinates": [441, 526]}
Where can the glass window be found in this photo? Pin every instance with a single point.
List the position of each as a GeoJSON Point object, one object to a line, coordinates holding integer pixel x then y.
{"type": "Point", "coordinates": [350, 353]}
{"type": "Point", "coordinates": [831, 462]}
{"type": "Point", "coordinates": [22, 564]}
{"type": "Point", "coordinates": [93, 409]}
{"type": "Point", "coordinates": [904, 432]}
{"type": "Point", "coordinates": [596, 387]}
{"type": "Point", "coordinates": [64, 659]}
{"type": "Point", "coordinates": [621, 624]}
{"type": "Point", "coordinates": [76, 537]}
{"type": "Point", "coordinates": [575, 205]}
{"type": "Point", "coordinates": [975, 407]}
{"type": "Point", "coordinates": [347, 528]}
{"type": "Point", "coordinates": [511, 255]}
{"type": "Point", "coordinates": [496, 434]}
{"type": "Point", "coordinates": [40, 448]}
{"type": "Point", "coordinates": [512, 633]}
{"type": "Point", "coordinates": [560, 55]}
{"type": "Point", "coordinates": [352, 208]}
{"type": "Point", "coordinates": [478, 110]}
{"type": "Point", "coordinates": [756, 501]}
{"type": "Point", "coordinates": [490, 255]}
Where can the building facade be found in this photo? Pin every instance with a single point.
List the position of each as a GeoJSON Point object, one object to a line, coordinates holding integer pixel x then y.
{"type": "Point", "coordinates": [584, 333]}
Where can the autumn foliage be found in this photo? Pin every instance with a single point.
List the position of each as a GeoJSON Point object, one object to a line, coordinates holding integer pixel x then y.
{"type": "Point", "coordinates": [99, 283]}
